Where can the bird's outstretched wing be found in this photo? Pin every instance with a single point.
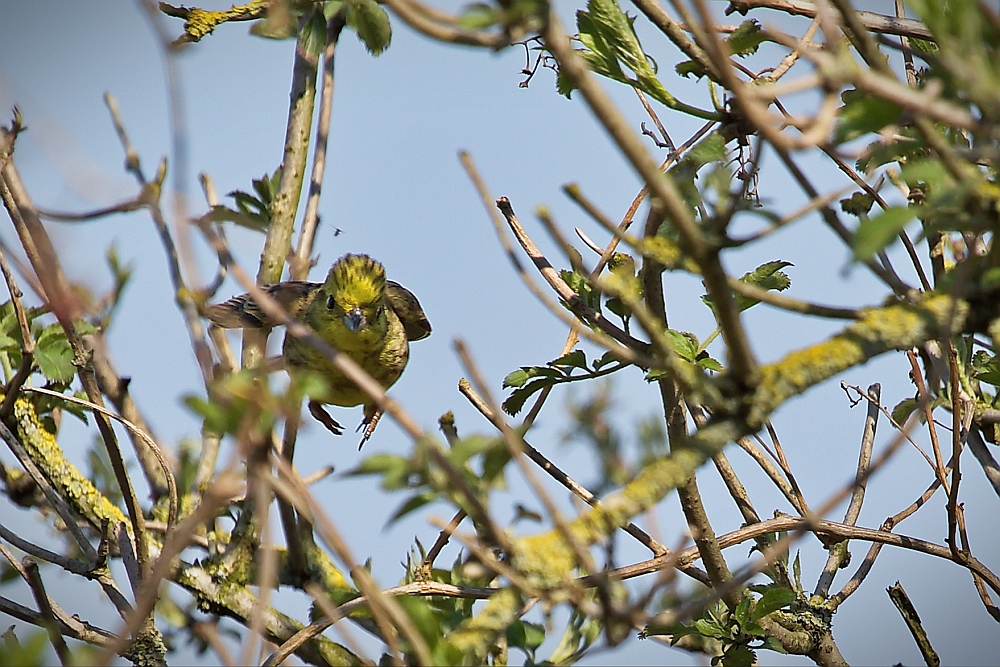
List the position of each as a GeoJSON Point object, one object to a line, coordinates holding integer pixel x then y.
{"type": "Point", "coordinates": [407, 308]}
{"type": "Point", "coordinates": [242, 312]}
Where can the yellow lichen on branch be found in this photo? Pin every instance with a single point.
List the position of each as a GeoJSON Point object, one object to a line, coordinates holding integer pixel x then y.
{"type": "Point", "coordinates": [479, 634]}
{"type": "Point", "coordinates": [547, 560]}
{"type": "Point", "coordinates": [896, 327]}
{"type": "Point", "coordinates": [72, 485]}
{"type": "Point", "coordinates": [201, 22]}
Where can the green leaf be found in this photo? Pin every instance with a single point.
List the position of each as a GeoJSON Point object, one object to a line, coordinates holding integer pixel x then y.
{"type": "Point", "coordinates": [905, 408]}
{"type": "Point", "coordinates": [773, 644]}
{"type": "Point", "coordinates": [377, 464]}
{"type": "Point", "coordinates": [277, 25]}
{"type": "Point", "coordinates": [709, 364]}
{"type": "Point", "coordinates": [217, 418]}
{"type": "Point", "coordinates": [525, 635]}
{"type": "Point", "coordinates": [8, 343]}
{"type": "Point", "coordinates": [707, 628]}
{"type": "Point", "coordinates": [710, 149]}
{"type": "Point", "coordinates": [689, 68]}
{"type": "Point", "coordinates": [774, 599]}
{"type": "Point", "coordinates": [465, 448]}
{"type": "Point", "coordinates": [331, 7]}
{"type": "Point", "coordinates": [582, 287]}
{"type": "Point", "coordinates": [746, 38]}
{"type": "Point", "coordinates": [605, 359]}
{"type": "Point", "coordinates": [371, 23]}
{"type": "Point", "coordinates": [863, 113]}
{"type": "Point", "coordinates": [575, 359]}
{"type": "Point", "coordinates": [54, 355]}
{"type": "Point", "coordinates": [985, 368]}
{"type": "Point", "coordinates": [858, 204]}
{"type": "Point", "coordinates": [767, 276]}
{"type": "Point", "coordinates": [598, 53]}
{"type": "Point", "coordinates": [516, 400]}
{"type": "Point", "coordinates": [738, 655]}
{"type": "Point", "coordinates": [516, 378]}
{"type": "Point", "coordinates": [478, 15]}
{"type": "Point", "coordinates": [742, 611]}
{"type": "Point", "coordinates": [252, 221]}
{"type": "Point", "coordinates": [413, 503]}
{"type": "Point", "coordinates": [682, 344]}
{"type": "Point", "coordinates": [877, 232]}
{"type": "Point", "coordinates": [616, 29]}
{"type": "Point", "coordinates": [424, 617]}
{"type": "Point", "coordinates": [929, 171]}
{"type": "Point", "coordinates": [313, 38]}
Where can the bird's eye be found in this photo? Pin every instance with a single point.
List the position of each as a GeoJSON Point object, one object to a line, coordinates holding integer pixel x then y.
{"type": "Point", "coordinates": [330, 303]}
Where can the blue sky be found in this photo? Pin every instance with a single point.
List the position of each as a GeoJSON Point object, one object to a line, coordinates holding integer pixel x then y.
{"type": "Point", "coordinates": [395, 189]}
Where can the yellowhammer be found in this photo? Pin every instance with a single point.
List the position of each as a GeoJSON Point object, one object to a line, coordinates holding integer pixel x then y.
{"type": "Point", "coordinates": [357, 311]}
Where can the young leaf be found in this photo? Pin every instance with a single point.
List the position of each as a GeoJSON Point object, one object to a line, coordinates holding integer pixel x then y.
{"type": "Point", "coordinates": [582, 287]}
{"type": "Point", "coordinates": [525, 636]}
{"type": "Point", "coordinates": [682, 344]}
{"type": "Point", "coordinates": [773, 599]}
{"type": "Point", "coordinates": [738, 655]}
{"type": "Point", "coordinates": [314, 34]}
{"type": "Point", "coordinates": [605, 359]}
{"type": "Point", "coordinates": [617, 30]}
{"type": "Point", "coordinates": [516, 378]}
{"type": "Point", "coordinates": [575, 359]}
{"type": "Point", "coordinates": [858, 204]}
{"type": "Point", "coordinates": [903, 410]}
{"type": "Point", "coordinates": [413, 503]}
{"type": "Point", "coordinates": [708, 363]}
{"type": "Point", "coordinates": [876, 233]}
{"type": "Point", "coordinates": [371, 23]}
{"type": "Point", "coordinates": [863, 113]}
{"type": "Point", "coordinates": [745, 39]}
{"type": "Point", "coordinates": [53, 354]}
{"type": "Point", "coordinates": [516, 400]}
{"type": "Point", "coordinates": [478, 15]}
{"type": "Point", "coordinates": [710, 149]}
{"type": "Point", "coordinates": [767, 276]}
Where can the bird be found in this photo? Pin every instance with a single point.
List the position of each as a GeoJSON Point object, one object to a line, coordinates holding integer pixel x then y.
{"type": "Point", "coordinates": [357, 311]}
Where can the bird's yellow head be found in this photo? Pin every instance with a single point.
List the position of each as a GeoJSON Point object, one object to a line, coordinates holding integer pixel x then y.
{"type": "Point", "coordinates": [350, 307]}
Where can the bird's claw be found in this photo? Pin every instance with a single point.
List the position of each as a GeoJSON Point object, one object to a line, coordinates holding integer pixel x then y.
{"type": "Point", "coordinates": [324, 418]}
{"type": "Point", "coordinates": [369, 423]}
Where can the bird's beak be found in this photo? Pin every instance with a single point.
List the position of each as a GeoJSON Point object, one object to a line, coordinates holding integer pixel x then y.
{"type": "Point", "coordinates": [355, 320]}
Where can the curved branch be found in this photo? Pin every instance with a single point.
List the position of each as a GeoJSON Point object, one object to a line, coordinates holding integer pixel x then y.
{"type": "Point", "coordinates": [818, 526]}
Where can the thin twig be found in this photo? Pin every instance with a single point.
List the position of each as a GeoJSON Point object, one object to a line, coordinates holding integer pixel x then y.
{"type": "Point", "coordinates": [54, 497]}
{"type": "Point", "coordinates": [45, 608]}
{"type": "Point", "coordinates": [300, 264]}
{"type": "Point", "coordinates": [608, 342]}
{"type": "Point", "coordinates": [835, 561]}
{"type": "Point", "coordinates": [909, 613]}
{"type": "Point", "coordinates": [27, 342]}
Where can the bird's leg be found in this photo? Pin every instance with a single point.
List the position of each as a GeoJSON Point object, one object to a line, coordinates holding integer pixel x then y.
{"type": "Point", "coordinates": [372, 415]}
{"type": "Point", "coordinates": [324, 418]}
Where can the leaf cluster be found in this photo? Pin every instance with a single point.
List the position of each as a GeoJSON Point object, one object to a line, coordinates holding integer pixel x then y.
{"type": "Point", "coordinates": [738, 631]}
{"type": "Point", "coordinates": [479, 460]}
{"type": "Point", "coordinates": [572, 367]}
